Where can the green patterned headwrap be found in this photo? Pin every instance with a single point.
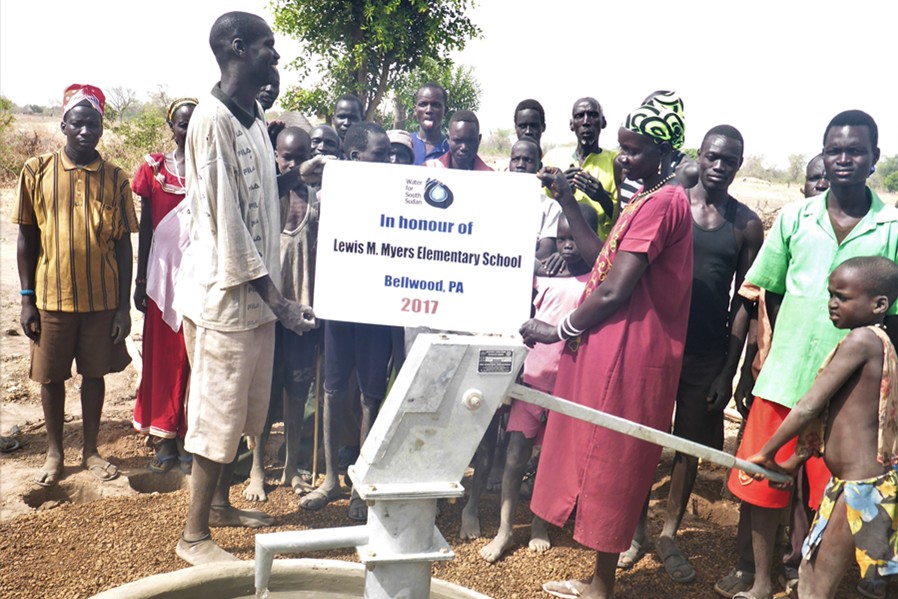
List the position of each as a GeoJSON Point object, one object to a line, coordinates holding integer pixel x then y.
{"type": "Point", "coordinates": [668, 100]}
{"type": "Point", "coordinates": [661, 119]}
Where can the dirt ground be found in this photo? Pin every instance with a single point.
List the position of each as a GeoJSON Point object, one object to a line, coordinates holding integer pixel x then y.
{"type": "Point", "coordinates": [85, 537]}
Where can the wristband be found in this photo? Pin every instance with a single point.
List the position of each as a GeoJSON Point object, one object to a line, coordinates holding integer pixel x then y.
{"type": "Point", "coordinates": [566, 330]}
{"type": "Point", "coordinates": [26, 292]}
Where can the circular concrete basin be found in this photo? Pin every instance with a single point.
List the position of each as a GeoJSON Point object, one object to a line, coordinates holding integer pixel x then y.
{"type": "Point", "coordinates": [290, 579]}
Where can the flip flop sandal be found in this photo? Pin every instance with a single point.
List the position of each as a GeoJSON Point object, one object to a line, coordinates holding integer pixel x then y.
{"type": "Point", "coordinates": [736, 581]}
{"type": "Point", "coordinates": [566, 589]}
{"type": "Point", "coordinates": [46, 478]}
{"type": "Point", "coordinates": [874, 589]}
{"type": "Point", "coordinates": [675, 563]}
{"type": "Point", "coordinates": [632, 556]}
{"type": "Point", "coordinates": [311, 501]}
{"type": "Point", "coordinates": [357, 506]}
{"type": "Point", "coordinates": [8, 444]}
{"type": "Point", "coordinates": [102, 472]}
{"type": "Point", "coordinates": [160, 464]}
{"type": "Point", "coordinates": [185, 463]}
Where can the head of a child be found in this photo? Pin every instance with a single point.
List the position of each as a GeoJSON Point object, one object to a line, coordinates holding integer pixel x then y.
{"type": "Point", "coordinates": [861, 290]}
{"type": "Point", "coordinates": [293, 147]}
{"type": "Point", "coordinates": [564, 241]}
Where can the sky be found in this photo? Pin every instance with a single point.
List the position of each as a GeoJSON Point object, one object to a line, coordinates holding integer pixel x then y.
{"type": "Point", "coordinates": [778, 70]}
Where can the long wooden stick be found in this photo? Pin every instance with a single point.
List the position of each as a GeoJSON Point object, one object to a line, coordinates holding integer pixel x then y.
{"type": "Point", "coordinates": [640, 431]}
{"type": "Point", "coordinates": [318, 383]}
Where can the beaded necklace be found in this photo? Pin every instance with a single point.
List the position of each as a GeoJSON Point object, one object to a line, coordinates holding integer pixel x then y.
{"type": "Point", "coordinates": [649, 192]}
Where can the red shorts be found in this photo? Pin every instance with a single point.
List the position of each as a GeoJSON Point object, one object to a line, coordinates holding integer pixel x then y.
{"type": "Point", "coordinates": [528, 419]}
{"type": "Point", "coordinates": [763, 420]}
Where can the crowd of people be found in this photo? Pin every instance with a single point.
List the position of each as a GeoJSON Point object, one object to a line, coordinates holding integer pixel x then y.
{"type": "Point", "coordinates": [638, 250]}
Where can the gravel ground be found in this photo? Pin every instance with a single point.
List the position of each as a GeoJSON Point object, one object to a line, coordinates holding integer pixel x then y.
{"type": "Point", "coordinates": [66, 549]}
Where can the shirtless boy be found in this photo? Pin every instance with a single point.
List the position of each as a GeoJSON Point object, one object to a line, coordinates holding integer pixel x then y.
{"type": "Point", "coordinates": [807, 239]}
{"type": "Point", "coordinates": [294, 355]}
{"type": "Point", "coordinates": [851, 409]}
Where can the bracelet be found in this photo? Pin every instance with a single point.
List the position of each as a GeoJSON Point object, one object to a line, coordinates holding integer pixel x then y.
{"type": "Point", "coordinates": [26, 292]}
{"type": "Point", "coordinates": [566, 330]}
{"type": "Point", "coordinates": [560, 331]}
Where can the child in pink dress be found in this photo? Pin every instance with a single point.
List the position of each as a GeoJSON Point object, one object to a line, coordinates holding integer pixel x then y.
{"type": "Point", "coordinates": [555, 297]}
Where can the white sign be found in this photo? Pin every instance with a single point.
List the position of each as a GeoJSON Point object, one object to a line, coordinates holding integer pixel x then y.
{"type": "Point", "coordinates": [418, 246]}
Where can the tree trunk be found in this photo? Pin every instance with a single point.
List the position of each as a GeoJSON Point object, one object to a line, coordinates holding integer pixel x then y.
{"type": "Point", "coordinates": [381, 90]}
{"type": "Point", "coordinates": [399, 115]}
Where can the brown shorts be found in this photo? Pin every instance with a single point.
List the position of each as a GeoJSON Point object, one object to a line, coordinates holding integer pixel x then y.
{"type": "Point", "coordinates": [84, 337]}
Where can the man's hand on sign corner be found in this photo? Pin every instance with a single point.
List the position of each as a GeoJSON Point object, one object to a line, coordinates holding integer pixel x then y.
{"type": "Point", "coordinates": [296, 317]}
{"type": "Point", "coordinates": [536, 331]}
{"type": "Point", "coordinates": [311, 169]}
{"type": "Point", "coordinates": [557, 184]}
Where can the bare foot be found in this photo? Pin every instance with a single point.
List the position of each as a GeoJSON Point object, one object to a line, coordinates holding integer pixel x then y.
{"type": "Point", "coordinates": [255, 490]}
{"type": "Point", "coordinates": [470, 525]}
{"type": "Point", "coordinates": [201, 552]}
{"type": "Point", "coordinates": [50, 472]}
{"type": "Point", "coordinates": [539, 536]}
{"type": "Point", "coordinates": [227, 515]}
{"type": "Point", "coordinates": [295, 481]}
{"type": "Point", "coordinates": [495, 548]}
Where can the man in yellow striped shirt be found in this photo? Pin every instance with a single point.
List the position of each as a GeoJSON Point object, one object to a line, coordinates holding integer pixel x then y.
{"type": "Point", "coordinates": [75, 215]}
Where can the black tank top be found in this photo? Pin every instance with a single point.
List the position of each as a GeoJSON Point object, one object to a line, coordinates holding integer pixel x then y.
{"type": "Point", "coordinates": [715, 259]}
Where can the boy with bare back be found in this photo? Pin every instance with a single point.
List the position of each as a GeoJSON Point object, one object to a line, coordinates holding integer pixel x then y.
{"type": "Point", "coordinates": [852, 410]}
{"type": "Point", "coordinates": [294, 355]}
{"type": "Point", "coordinates": [555, 296]}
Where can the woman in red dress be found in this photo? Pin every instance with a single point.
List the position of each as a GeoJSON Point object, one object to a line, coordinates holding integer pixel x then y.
{"type": "Point", "coordinates": [159, 409]}
{"type": "Point", "coordinates": [624, 350]}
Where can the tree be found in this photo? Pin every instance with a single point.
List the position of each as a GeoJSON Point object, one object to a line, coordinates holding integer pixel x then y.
{"type": "Point", "coordinates": [364, 47]}
{"type": "Point", "coordinates": [499, 142]}
{"type": "Point", "coordinates": [460, 83]}
{"type": "Point", "coordinates": [119, 101]}
{"type": "Point", "coordinates": [753, 166]}
{"type": "Point", "coordinates": [6, 117]}
{"type": "Point", "coordinates": [890, 181]}
{"type": "Point", "coordinates": [796, 166]}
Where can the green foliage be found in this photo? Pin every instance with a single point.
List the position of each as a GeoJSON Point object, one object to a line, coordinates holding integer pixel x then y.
{"type": "Point", "coordinates": [6, 117]}
{"type": "Point", "coordinates": [797, 165]}
{"type": "Point", "coordinates": [691, 152]}
{"type": "Point", "coordinates": [313, 101]}
{"type": "Point", "coordinates": [132, 139]}
{"type": "Point", "coordinates": [753, 166]}
{"type": "Point", "coordinates": [16, 147]}
{"type": "Point", "coordinates": [365, 47]}
{"type": "Point", "coordinates": [890, 181]}
{"type": "Point", "coordinates": [498, 143]}
{"type": "Point", "coordinates": [461, 85]}
{"type": "Point", "coordinates": [887, 165]}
